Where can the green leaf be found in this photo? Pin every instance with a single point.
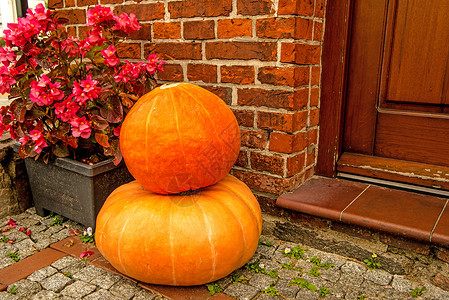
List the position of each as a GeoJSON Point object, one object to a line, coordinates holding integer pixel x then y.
{"type": "Point", "coordinates": [60, 149]}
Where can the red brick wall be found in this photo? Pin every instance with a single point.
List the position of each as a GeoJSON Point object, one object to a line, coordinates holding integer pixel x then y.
{"type": "Point", "coordinates": [261, 57]}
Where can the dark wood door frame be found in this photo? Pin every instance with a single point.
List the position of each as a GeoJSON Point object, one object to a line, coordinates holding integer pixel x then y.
{"type": "Point", "coordinates": [333, 81]}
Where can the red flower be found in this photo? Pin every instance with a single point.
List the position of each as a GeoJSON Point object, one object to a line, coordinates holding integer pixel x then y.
{"type": "Point", "coordinates": [110, 58]}
{"type": "Point", "coordinates": [81, 127]}
{"type": "Point", "coordinates": [99, 15]}
{"type": "Point", "coordinates": [126, 23]}
{"type": "Point", "coordinates": [86, 254]}
{"type": "Point", "coordinates": [11, 223]}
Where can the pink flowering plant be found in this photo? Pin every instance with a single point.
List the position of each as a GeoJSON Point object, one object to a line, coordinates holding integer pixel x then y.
{"type": "Point", "coordinates": [69, 96]}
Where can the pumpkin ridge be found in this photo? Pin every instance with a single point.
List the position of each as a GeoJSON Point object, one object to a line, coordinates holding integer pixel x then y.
{"type": "Point", "coordinates": [172, 251]}
{"type": "Point", "coordinates": [209, 237]}
{"type": "Point", "coordinates": [179, 135]}
{"type": "Point", "coordinates": [147, 123]}
{"type": "Point", "coordinates": [120, 238]}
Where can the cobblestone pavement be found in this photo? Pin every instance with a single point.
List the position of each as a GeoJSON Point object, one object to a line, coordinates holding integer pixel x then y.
{"type": "Point", "coordinates": [278, 270]}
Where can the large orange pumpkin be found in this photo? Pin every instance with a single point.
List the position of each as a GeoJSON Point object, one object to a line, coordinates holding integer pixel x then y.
{"type": "Point", "coordinates": [179, 137]}
{"type": "Point", "coordinates": [179, 239]}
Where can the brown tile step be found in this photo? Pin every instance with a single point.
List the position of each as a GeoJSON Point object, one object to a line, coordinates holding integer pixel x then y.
{"type": "Point", "coordinates": [419, 216]}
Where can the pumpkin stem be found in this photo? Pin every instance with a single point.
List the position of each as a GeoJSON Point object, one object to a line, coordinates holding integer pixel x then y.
{"type": "Point", "coordinates": [169, 85]}
{"type": "Point", "coordinates": [189, 192]}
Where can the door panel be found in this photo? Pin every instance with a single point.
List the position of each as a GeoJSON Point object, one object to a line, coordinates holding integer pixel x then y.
{"type": "Point", "coordinates": [397, 81]}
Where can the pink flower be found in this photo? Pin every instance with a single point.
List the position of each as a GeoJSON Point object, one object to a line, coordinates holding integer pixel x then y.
{"type": "Point", "coordinates": [116, 131]}
{"type": "Point", "coordinates": [126, 23]}
{"type": "Point", "coordinates": [45, 92]}
{"type": "Point", "coordinates": [23, 140]}
{"type": "Point", "coordinates": [67, 109]}
{"type": "Point", "coordinates": [154, 64]}
{"type": "Point", "coordinates": [99, 15]}
{"type": "Point", "coordinates": [94, 37]}
{"type": "Point", "coordinates": [87, 90]}
{"type": "Point", "coordinates": [6, 56]}
{"type": "Point", "coordinates": [110, 58]}
{"type": "Point", "coordinates": [86, 254]}
{"type": "Point", "coordinates": [80, 127]}
{"type": "Point", "coordinates": [39, 141]}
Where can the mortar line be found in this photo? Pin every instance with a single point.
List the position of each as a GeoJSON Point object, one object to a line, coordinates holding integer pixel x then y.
{"type": "Point", "coordinates": [341, 213]}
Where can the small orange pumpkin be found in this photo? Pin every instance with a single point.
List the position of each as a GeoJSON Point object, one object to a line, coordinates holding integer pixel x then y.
{"type": "Point", "coordinates": [179, 239]}
{"type": "Point", "coordinates": [179, 137]}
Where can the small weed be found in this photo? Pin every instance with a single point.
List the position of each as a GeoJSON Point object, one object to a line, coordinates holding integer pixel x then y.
{"type": "Point", "coordinates": [416, 292]}
{"type": "Point", "coordinates": [273, 274]}
{"type": "Point", "coordinates": [361, 297]}
{"type": "Point", "coordinates": [67, 274]}
{"type": "Point", "coordinates": [237, 278]}
{"type": "Point", "coordinates": [315, 271]}
{"type": "Point", "coordinates": [295, 252]}
{"type": "Point", "coordinates": [323, 291]}
{"type": "Point", "coordinates": [262, 242]}
{"type": "Point", "coordinates": [214, 288]}
{"type": "Point", "coordinates": [289, 266]}
{"type": "Point", "coordinates": [303, 283]}
{"type": "Point", "coordinates": [260, 268]}
{"type": "Point", "coordinates": [56, 221]}
{"type": "Point", "coordinates": [13, 290]}
{"type": "Point", "coordinates": [371, 262]}
{"type": "Point", "coordinates": [271, 290]}
{"type": "Point", "coordinates": [317, 261]}
{"type": "Point", "coordinates": [4, 240]}
{"type": "Point", "coordinates": [13, 256]}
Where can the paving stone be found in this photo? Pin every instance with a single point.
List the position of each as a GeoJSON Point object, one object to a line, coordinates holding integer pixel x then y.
{"type": "Point", "coordinates": [41, 274]}
{"type": "Point", "coordinates": [305, 294]}
{"type": "Point", "coordinates": [433, 292]}
{"type": "Point", "coordinates": [269, 297]}
{"type": "Point", "coordinates": [288, 274]}
{"type": "Point", "coordinates": [35, 229]}
{"type": "Point", "coordinates": [25, 288]}
{"type": "Point", "coordinates": [124, 288]}
{"type": "Point", "coordinates": [285, 289]}
{"type": "Point", "coordinates": [402, 285]}
{"type": "Point", "coordinates": [5, 262]}
{"type": "Point", "coordinates": [89, 273]}
{"type": "Point", "coordinates": [56, 283]}
{"type": "Point", "coordinates": [104, 295]}
{"type": "Point", "coordinates": [46, 295]}
{"type": "Point", "coordinates": [261, 281]}
{"type": "Point", "coordinates": [331, 274]}
{"type": "Point", "coordinates": [16, 235]}
{"type": "Point", "coordinates": [43, 243]}
{"type": "Point", "coordinates": [64, 233]}
{"type": "Point", "coordinates": [106, 280]}
{"type": "Point", "coordinates": [78, 289]}
{"type": "Point", "coordinates": [8, 296]}
{"type": "Point", "coordinates": [143, 295]}
{"type": "Point", "coordinates": [377, 276]}
{"type": "Point", "coordinates": [241, 291]}
{"type": "Point", "coordinates": [64, 262]}
{"type": "Point", "coordinates": [54, 229]}
{"type": "Point", "coordinates": [266, 251]}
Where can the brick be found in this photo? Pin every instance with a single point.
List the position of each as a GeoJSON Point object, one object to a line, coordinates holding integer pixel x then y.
{"type": "Point", "coordinates": [282, 121]}
{"type": "Point", "coordinates": [111, 1]}
{"type": "Point", "coordinates": [71, 31]}
{"type": "Point", "coordinates": [3, 287]}
{"type": "Point", "coordinates": [254, 7]}
{"type": "Point", "coordinates": [74, 247]}
{"type": "Point", "coordinates": [143, 12]}
{"type": "Point", "coordinates": [295, 164]}
{"type": "Point", "coordinates": [268, 163]}
{"type": "Point", "coordinates": [234, 28]}
{"type": "Point", "coordinates": [315, 76]}
{"type": "Point", "coordinates": [167, 30]}
{"type": "Point", "coordinates": [279, 28]}
{"type": "Point", "coordinates": [199, 8]}
{"type": "Point", "coordinates": [177, 292]}
{"type": "Point", "coordinates": [55, 3]}
{"type": "Point", "coordinates": [443, 254]}
{"type": "Point", "coordinates": [144, 33]}
{"type": "Point", "coordinates": [314, 116]}
{"type": "Point", "coordinates": [300, 53]}
{"type": "Point", "coordinates": [82, 31]}
{"type": "Point", "coordinates": [168, 51]}
{"type": "Point", "coordinates": [290, 143]}
{"type": "Point", "coordinates": [268, 205]}
{"type": "Point", "coordinates": [225, 93]}
{"type": "Point", "coordinates": [320, 6]}
{"type": "Point", "coordinates": [301, 98]}
{"type": "Point", "coordinates": [237, 74]}
{"type": "Point", "coordinates": [254, 139]}
{"type": "Point", "coordinates": [270, 98]}
{"type": "Point", "coordinates": [268, 183]}
{"type": "Point", "coordinates": [27, 266]}
{"type": "Point", "coordinates": [87, 2]}
{"type": "Point", "coordinates": [441, 281]}
{"type": "Point", "coordinates": [75, 16]}
{"type": "Point", "coordinates": [296, 7]}
{"type": "Point", "coordinates": [172, 72]}
{"type": "Point", "coordinates": [242, 159]}
{"type": "Point", "coordinates": [245, 118]}
{"type": "Point", "coordinates": [128, 50]}
{"type": "Point", "coordinates": [310, 155]}
{"type": "Point", "coordinates": [317, 31]}
{"type": "Point", "coordinates": [294, 77]}
{"type": "Point", "coordinates": [404, 243]}
{"type": "Point", "coordinates": [70, 3]}
{"type": "Point", "coordinates": [199, 30]}
{"type": "Point", "coordinates": [201, 72]}
{"type": "Point", "coordinates": [264, 51]}
{"type": "Point", "coordinates": [314, 97]}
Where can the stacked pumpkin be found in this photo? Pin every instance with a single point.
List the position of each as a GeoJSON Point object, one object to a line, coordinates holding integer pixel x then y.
{"type": "Point", "coordinates": [185, 221]}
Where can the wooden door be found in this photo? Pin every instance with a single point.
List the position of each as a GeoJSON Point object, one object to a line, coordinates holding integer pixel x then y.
{"type": "Point", "coordinates": [396, 117]}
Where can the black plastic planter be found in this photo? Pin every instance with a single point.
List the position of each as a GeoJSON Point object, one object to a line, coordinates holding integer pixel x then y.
{"type": "Point", "coordinates": [74, 189]}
